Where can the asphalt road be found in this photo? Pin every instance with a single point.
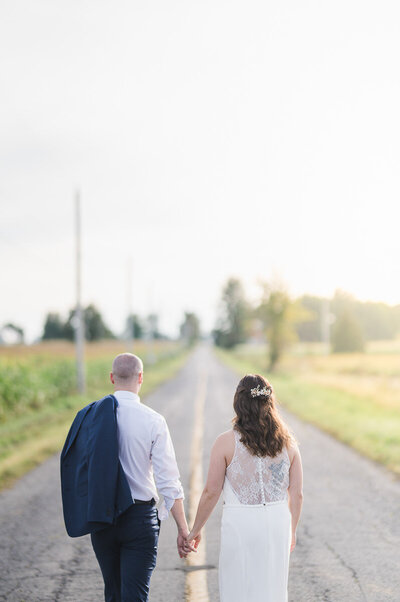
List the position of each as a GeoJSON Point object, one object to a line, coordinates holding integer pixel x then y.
{"type": "Point", "coordinates": [348, 540]}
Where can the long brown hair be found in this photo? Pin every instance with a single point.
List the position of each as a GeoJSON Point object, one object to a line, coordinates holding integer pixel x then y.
{"type": "Point", "coordinates": [257, 419]}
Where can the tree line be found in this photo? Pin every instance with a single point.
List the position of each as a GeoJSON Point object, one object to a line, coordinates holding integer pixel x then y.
{"type": "Point", "coordinates": [136, 327]}
{"type": "Point", "coordinates": [342, 321]}
{"type": "Point", "coordinates": [95, 328]}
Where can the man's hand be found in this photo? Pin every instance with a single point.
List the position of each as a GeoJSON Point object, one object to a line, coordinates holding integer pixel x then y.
{"type": "Point", "coordinates": [180, 543]}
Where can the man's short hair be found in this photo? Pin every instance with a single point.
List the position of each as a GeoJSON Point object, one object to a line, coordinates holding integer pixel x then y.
{"type": "Point", "coordinates": [126, 367]}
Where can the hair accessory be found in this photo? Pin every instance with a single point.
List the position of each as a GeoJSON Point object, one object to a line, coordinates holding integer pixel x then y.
{"type": "Point", "coordinates": [258, 392]}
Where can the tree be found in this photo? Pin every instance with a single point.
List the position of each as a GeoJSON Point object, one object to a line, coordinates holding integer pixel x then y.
{"type": "Point", "coordinates": [134, 327]}
{"type": "Point", "coordinates": [310, 329]}
{"type": "Point", "coordinates": [232, 321]}
{"type": "Point", "coordinates": [152, 328]}
{"type": "Point", "coordinates": [53, 327]}
{"type": "Point", "coordinates": [12, 333]}
{"type": "Point", "coordinates": [279, 315]}
{"type": "Point", "coordinates": [377, 320]}
{"type": "Point", "coordinates": [95, 328]}
{"type": "Point", "coordinates": [347, 335]}
{"type": "Point", "coordinates": [69, 326]}
{"type": "Point", "coordinates": [190, 328]}
{"type": "Point", "coordinates": [94, 325]}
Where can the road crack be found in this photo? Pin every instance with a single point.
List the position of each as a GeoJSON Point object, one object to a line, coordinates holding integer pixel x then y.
{"type": "Point", "coordinates": [68, 572]}
{"type": "Point", "coordinates": [352, 571]}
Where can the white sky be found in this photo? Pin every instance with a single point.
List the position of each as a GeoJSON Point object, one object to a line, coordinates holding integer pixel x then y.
{"type": "Point", "coordinates": [209, 139]}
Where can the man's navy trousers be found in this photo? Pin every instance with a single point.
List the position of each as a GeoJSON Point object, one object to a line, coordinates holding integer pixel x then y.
{"type": "Point", "coordinates": [127, 552]}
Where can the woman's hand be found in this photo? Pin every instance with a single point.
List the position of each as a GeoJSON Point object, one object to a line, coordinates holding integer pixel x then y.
{"type": "Point", "coordinates": [192, 542]}
{"type": "Point", "coordinates": [293, 542]}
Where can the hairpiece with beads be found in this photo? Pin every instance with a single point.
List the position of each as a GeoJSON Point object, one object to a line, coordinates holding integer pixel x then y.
{"type": "Point", "coordinates": [261, 392]}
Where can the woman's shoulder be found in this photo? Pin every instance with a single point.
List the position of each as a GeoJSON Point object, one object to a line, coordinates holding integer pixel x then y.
{"type": "Point", "coordinates": [225, 444]}
{"type": "Point", "coordinates": [292, 449]}
{"type": "Point", "coordinates": [226, 438]}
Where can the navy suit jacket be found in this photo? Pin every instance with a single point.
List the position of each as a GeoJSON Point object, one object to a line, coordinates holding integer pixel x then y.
{"type": "Point", "coordinates": [94, 487]}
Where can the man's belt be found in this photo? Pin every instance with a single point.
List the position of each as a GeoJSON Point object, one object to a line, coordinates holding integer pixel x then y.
{"type": "Point", "coordinates": [148, 502]}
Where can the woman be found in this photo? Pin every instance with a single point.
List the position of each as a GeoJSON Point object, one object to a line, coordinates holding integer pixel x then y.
{"type": "Point", "coordinates": [257, 465]}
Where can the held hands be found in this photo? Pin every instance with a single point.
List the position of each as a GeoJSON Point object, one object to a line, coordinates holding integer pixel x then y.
{"type": "Point", "coordinates": [187, 542]}
{"type": "Point", "coordinates": [192, 541]}
{"type": "Point", "coordinates": [186, 545]}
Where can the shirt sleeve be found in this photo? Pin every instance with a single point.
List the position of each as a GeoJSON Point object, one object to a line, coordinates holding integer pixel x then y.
{"type": "Point", "coordinates": [165, 468]}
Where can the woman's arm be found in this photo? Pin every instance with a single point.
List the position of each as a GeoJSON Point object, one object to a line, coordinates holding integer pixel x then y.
{"type": "Point", "coordinates": [178, 512]}
{"type": "Point", "coordinates": [295, 491]}
{"type": "Point", "coordinates": [215, 481]}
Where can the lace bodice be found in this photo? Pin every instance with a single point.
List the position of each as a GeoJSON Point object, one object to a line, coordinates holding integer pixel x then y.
{"type": "Point", "coordinates": [257, 480]}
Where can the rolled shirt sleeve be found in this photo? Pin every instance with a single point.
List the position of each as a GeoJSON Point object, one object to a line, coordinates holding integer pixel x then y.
{"type": "Point", "coordinates": [165, 468]}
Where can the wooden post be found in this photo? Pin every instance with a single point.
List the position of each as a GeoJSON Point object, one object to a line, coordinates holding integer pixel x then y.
{"type": "Point", "coordinates": [79, 324]}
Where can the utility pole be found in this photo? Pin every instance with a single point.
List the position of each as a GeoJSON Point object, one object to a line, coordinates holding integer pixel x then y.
{"type": "Point", "coordinates": [79, 326]}
{"type": "Point", "coordinates": [326, 325]}
{"type": "Point", "coordinates": [131, 324]}
{"type": "Point", "coordinates": [151, 358]}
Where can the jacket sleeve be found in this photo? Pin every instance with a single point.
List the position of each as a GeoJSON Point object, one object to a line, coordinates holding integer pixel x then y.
{"type": "Point", "coordinates": [73, 476]}
{"type": "Point", "coordinates": [102, 459]}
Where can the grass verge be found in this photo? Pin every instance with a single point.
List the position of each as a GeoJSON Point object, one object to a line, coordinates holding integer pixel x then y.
{"type": "Point", "coordinates": [28, 439]}
{"type": "Point", "coordinates": [362, 422]}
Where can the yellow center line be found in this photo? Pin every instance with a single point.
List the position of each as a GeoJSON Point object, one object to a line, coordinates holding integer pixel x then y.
{"type": "Point", "coordinates": [196, 579]}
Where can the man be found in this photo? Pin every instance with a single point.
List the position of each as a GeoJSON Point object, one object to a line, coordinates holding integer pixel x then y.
{"type": "Point", "coordinates": [125, 544]}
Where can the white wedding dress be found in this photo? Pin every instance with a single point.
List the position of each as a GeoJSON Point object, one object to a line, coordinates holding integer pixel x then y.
{"type": "Point", "coordinates": [255, 529]}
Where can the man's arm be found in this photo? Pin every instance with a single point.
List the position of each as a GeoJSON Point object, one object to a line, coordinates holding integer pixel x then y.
{"type": "Point", "coordinates": [212, 489]}
{"type": "Point", "coordinates": [178, 512]}
{"type": "Point", "coordinates": [167, 478]}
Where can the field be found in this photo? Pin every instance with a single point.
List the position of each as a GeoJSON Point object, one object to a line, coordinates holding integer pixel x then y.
{"type": "Point", "coordinates": [38, 399]}
{"type": "Point", "coordinates": [354, 397]}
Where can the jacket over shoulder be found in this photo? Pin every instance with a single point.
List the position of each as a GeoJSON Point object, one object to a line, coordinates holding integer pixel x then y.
{"type": "Point", "coordinates": [94, 487]}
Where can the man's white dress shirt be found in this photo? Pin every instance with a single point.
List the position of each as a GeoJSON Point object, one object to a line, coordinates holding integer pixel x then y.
{"type": "Point", "coordinates": [146, 452]}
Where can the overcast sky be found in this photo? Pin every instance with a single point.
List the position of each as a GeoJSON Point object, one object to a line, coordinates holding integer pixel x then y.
{"type": "Point", "coordinates": [208, 139]}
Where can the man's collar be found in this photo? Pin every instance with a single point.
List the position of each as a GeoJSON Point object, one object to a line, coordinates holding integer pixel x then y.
{"type": "Point", "coordinates": [126, 396]}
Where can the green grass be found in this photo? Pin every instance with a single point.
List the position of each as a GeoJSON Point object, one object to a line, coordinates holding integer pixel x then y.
{"type": "Point", "coordinates": [361, 421]}
{"type": "Point", "coordinates": [38, 404]}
